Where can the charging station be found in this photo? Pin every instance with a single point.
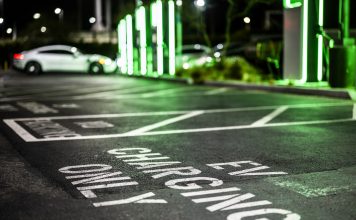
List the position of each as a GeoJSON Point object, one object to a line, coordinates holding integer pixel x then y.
{"type": "Point", "coordinates": [310, 55]}
{"type": "Point", "coordinates": [150, 40]}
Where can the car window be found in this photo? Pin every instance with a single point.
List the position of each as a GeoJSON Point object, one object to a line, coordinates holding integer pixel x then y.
{"type": "Point", "coordinates": [193, 51]}
{"type": "Point", "coordinates": [65, 52]}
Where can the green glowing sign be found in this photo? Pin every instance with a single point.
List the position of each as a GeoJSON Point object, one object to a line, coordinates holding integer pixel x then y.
{"type": "Point", "coordinates": [141, 28]}
{"type": "Point", "coordinates": [122, 46]}
{"type": "Point", "coordinates": [172, 39]}
{"type": "Point", "coordinates": [320, 39]}
{"type": "Point", "coordinates": [129, 32]}
{"type": "Point", "coordinates": [292, 3]}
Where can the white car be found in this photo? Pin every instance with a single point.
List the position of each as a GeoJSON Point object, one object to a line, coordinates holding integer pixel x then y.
{"type": "Point", "coordinates": [62, 58]}
{"type": "Point", "coordinates": [195, 55]}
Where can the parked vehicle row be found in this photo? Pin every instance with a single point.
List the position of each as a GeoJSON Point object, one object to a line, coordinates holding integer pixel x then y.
{"type": "Point", "coordinates": [62, 58]}
{"type": "Point", "coordinates": [71, 59]}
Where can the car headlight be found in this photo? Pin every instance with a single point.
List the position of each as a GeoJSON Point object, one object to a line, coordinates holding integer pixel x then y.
{"type": "Point", "coordinates": [106, 61]}
{"type": "Point", "coordinates": [186, 66]}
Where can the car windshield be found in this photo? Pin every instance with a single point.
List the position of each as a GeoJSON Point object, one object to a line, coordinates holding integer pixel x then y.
{"type": "Point", "coordinates": [193, 50]}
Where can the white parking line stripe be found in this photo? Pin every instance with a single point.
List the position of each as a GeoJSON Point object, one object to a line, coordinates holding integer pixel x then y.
{"type": "Point", "coordinates": [163, 123]}
{"type": "Point", "coordinates": [238, 127]}
{"type": "Point", "coordinates": [216, 91]}
{"type": "Point", "coordinates": [183, 131]}
{"type": "Point", "coordinates": [20, 131]}
{"type": "Point", "coordinates": [101, 94]}
{"type": "Point", "coordinates": [208, 192]}
{"type": "Point", "coordinates": [208, 111]}
{"type": "Point", "coordinates": [270, 116]}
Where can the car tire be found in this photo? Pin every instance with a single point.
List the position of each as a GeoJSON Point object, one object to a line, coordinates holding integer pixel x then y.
{"type": "Point", "coordinates": [96, 68]}
{"type": "Point", "coordinates": [33, 68]}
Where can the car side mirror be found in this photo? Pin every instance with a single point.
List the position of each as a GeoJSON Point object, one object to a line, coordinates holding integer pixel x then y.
{"type": "Point", "coordinates": [75, 55]}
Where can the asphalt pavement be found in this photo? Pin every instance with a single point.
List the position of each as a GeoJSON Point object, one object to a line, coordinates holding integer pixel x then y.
{"type": "Point", "coordinates": [75, 146]}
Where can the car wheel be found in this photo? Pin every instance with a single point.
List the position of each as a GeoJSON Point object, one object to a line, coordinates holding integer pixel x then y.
{"type": "Point", "coordinates": [33, 68]}
{"type": "Point", "coordinates": [96, 68]}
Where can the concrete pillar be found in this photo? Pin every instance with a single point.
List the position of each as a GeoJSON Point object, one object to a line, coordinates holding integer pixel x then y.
{"type": "Point", "coordinates": [98, 26]}
{"type": "Point", "coordinates": [108, 15]}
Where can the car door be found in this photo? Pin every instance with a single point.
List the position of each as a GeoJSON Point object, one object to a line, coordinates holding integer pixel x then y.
{"type": "Point", "coordinates": [63, 60]}
{"type": "Point", "coordinates": [67, 61]}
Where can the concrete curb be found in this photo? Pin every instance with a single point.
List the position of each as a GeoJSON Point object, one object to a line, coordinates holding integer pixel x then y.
{"type": "Point", "coordinates": [331, 93]}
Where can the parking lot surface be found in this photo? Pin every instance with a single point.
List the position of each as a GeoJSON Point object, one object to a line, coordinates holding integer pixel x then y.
{"type": "Point", "coordinates": [110, 147]}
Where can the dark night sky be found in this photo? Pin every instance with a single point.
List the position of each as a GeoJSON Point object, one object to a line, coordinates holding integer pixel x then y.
{"type": "Point", "coordinates": [21, 12]}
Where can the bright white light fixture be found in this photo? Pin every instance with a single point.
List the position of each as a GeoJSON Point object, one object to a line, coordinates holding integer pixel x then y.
{"type": "Point", "coordinates": [57, 11]}
{"type": "Point", "coordinates": [179, 2]}
{"type": "Point", "coordinates": [36, 16]}
{"type": "Point", "coordinates": [9, 31]}
{"type": "Point", "coordinates": [220, 46]}
{"type": "Point", "coordinates": [1, 20]}
{"type": "Point", "coordinates": [247, 20]}
{"type": "Point", "coordinates": [92, 20]}
{"type": "Point", "coordinates": [200, 3]}
{"type": "Point", "coordinates": [43, 29]}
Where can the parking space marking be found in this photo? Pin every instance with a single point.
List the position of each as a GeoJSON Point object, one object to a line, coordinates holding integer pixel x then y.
{"type": "Point", "coordinates": [182, 115]}
{"type": "Point", "coordinates": [270, 116]}
{"type": "Point", "coordinates": [239, 127]}
{"type": "Point", "coordinates": [163, 123]}
{"type": "Point", "coordinates": [20, 131]}
{"type": "Point", "coordinates": [216, 91]}
{"type": "Point", "coordinates": [103, 94]}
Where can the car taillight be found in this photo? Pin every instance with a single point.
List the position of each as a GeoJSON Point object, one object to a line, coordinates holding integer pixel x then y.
{"type": "Point", "coordinates": [18, 56]}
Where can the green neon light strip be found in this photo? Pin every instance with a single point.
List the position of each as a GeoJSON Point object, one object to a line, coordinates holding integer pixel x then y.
{"type": "Point", "coordinates": [292, 3]}
{"type": "Point", "coordinates": [130, 63]}
{"type": "Point", "coordinates": [172, 45]}
{"type": "Point", "coordinates": [305, 43]}
{"type": "Point", "coordinates": [118, 44]}
{"type": "Point", "coordinates": [320, 40]}
{"type": "Point", "coordinates": [141, 27]}
{"type": "Point", "coordinates": [143, 42]}
{"type": "Point", "coordinates": [159, 11]}
{"type": "Point", "coordinates": [123, 49]}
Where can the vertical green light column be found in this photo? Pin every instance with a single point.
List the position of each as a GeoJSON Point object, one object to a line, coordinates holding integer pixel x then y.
{"type": "Point", "coordinates": [157, 36]}
{"type": "Point", "coordinates": [320, 39]}
{"type": "Point", "coordinates": [141, 28]}
{"type": "Point", "coordinates": [159, 23]}
{"type": "Point", "coordinates": [309, 42]}
{"type": "Point", "coordinates": [129, 45]}
{"type": "Point", "coordinates": [122, 46]}
{"type": "Point", "coordinates": [172, 37]}
{"type": "Point", "coordinates": [179, 35]}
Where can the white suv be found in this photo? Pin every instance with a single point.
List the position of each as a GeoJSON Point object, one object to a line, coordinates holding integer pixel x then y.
{"type": "Point", "coordinates": [62, 58]}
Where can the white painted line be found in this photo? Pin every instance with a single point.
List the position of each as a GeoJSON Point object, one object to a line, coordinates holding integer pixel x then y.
{"type": "Point", "coordinates": [163, 123]}
{"type": "Point", "coordinates": [354, 112]}
{"type": "Point", "coordinates": [153, 133]}
{"type": "Point", "coordinates": [230, 202]}
{"type": "Point", "coordinates": [20, 131]}
{"type": "Point", "coordinates": [29, 138]}
{"type": "Point", "coordinates": [104, 186]}
{"type": "Point", "coordinates": [139, 114]}
{"type": "Point", "coordinates": [208, 111]}
{"type": "Point", "coordinates": [164, 92]}
{"type": "Point", "coordinates": [217, 91]}
{"type": "Point", "coordinates": [88, 194]}
{"type": "Point", "coordinates": [208, 192]}
{"type": "Point", "coordinates": [135, 199]}
{"type": "Point", "coordinates": [214, 199]}
{"type": "Point", "coordinates": [103, 94]}
{"type": "Point", "coordinates": [270, 116]}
